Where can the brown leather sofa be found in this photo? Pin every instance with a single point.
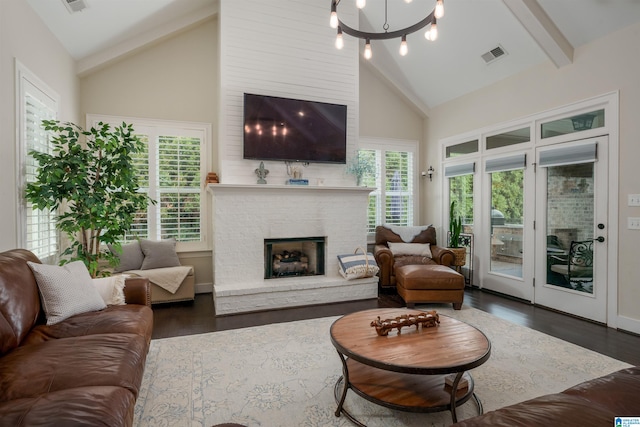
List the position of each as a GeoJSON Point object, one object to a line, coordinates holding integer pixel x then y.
{"type": "Point", "coordinates": [593, 403]}
{"type": "Point", "coordinates": [85, 370]}
{"type": "Point", "coordinates": [388, 263]}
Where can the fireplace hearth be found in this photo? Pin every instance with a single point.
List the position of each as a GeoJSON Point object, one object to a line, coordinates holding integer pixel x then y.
{"type": "Point", "coordinates": [302, 256]}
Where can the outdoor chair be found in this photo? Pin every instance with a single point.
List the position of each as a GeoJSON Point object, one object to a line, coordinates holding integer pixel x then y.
{"type": "Point", "coordinates": [577, 265]}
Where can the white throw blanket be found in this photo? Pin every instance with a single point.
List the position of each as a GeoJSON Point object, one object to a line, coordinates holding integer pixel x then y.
{"type": "Point", "coordinates": [168, 278]}
{"type": "Point", "coordinates": [407, 233]}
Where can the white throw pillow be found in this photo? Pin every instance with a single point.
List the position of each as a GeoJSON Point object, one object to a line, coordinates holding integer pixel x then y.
{"type": "Point", "coordinates": [418, 249]}
{"type": "Point", "coordinates": [111, 289]}
{"type": "Point", "coordinates": [65, 290]}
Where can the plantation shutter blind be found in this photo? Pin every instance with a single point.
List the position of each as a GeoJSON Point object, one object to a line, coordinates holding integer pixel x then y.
{"type": "Point", "coordinates": [398, 188]}
{"type": "Point", "coordinates": [392, 201]}
{"type": "Point", "coordinates": [140, 226]}
{"type": "Point", "coordinates": [376, 195]}
{"type": "Point", "coordinates": [179, 187]}
{"type": "Point", "coordinates": [41, 234]}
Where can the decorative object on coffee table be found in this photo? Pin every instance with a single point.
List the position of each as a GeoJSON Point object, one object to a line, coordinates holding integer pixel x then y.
{"type": "Point", "coordinates": [427, 320]}
{"type": "Point", "coordinates": [262, 173]}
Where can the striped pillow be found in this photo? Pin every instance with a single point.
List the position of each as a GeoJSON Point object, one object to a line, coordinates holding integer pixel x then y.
{"type": "Point", "coordinates": [356, 266]}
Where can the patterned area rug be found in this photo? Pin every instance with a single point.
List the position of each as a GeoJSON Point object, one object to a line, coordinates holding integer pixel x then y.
{"type": "Point", "coordinates": [284, 375]}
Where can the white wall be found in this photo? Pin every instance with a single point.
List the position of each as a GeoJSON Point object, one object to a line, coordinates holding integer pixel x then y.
{"type": "Point", "coordinates": [281, 49]}
{"type": "Point", "coordinates": [606, 65]}
{"type": "Point", "coordinates": [24, 37]}
{"type": "Point", "coordinates": [174, 79]}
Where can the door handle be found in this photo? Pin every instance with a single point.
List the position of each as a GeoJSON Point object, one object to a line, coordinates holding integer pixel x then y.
{"type": "Point", "coordinates": [599, 239]}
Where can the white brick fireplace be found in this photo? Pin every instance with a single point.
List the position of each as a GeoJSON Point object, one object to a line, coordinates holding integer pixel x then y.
{"type": "Point", "coordinates": [245, 215]}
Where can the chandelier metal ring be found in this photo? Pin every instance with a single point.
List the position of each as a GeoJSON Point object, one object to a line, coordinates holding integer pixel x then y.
{"type": "Point", "coordinates": [429, 19]}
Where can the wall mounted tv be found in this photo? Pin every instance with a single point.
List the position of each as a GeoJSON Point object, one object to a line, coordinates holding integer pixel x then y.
{"type": "Point", "coordinates": [294, 130]}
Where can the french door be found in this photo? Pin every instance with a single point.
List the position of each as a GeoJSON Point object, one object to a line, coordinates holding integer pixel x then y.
{"type": "Point", "coordinates": [571, 228]}
{"type": "Point", "coordinates": [508, 266]}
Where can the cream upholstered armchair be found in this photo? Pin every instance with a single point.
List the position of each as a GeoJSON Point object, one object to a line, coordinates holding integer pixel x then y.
{"type": "Point", "coordinates": [398, 246]}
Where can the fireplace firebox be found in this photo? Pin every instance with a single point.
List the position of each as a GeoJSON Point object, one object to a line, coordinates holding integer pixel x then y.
{"type": "Point", "coordinates": [298, 256]}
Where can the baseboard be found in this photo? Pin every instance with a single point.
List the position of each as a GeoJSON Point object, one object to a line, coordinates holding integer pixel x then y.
{"type": "Point", "coordinates": [204, 288]}
{"type": "Point", "coordinates": [629, 325]}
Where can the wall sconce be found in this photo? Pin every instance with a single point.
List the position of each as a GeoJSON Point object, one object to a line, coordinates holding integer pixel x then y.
{"type": "Point", "coordinates": [430, 172]}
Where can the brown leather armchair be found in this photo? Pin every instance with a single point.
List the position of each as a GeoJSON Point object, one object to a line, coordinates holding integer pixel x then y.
{"type": "Point", "coordinates": [387, 262]}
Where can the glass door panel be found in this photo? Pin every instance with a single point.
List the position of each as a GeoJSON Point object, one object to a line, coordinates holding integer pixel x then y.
{"type": "Point", "coordinates": [508, 264]}
{"type": "Point", "coordinates": [570, 219]}
{"type": "Point", "coordinates": [461, 190]}
{"type": "Point", "coordinates": [507, 220]}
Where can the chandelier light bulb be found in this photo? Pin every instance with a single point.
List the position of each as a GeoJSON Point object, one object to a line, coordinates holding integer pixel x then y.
{"type": "Point", "coordinates": [361, 3]}
{"type": "Point", "coordinates": [407, 1]}
{"type": "Point", "coordinates": [367, 50]}
{"type": "Point", "coordinates": [403, 46]}
{"type": "Point", "coordinates": [434, 31]}
{"type": "Point", "coordinates": [333, 20]}
{"type": "Point", "coordinates": [339, 39]}
{"type": "Point", "coordinates": [427, 34]}
{"type": "Point", "coordinates": [439, 12]}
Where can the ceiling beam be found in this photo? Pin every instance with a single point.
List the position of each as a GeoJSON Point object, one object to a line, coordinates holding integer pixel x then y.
{"type": "Point", "coordinates": [536, 21]}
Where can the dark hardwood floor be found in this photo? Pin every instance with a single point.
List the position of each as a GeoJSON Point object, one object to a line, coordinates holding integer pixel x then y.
{"type": "Point", "coordinates": [198, 317]}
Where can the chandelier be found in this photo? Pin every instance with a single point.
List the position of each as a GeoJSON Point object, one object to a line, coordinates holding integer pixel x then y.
{"type": "Point", "coordinates": [430, 34]}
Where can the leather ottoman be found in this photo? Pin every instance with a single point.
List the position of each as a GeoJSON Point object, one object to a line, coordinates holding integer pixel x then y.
{"type": "Point", "coordinates": [429, 283]}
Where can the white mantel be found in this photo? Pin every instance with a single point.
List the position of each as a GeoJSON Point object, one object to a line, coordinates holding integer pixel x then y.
{"type": "Point", "coordinates": [245, 215]}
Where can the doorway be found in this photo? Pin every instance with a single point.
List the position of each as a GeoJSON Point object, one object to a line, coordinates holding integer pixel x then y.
{"type": "Point", "coordinates": [572, 228]}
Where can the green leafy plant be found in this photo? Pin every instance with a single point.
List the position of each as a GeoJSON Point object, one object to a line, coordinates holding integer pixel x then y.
{"type": "Point", "coordinates": [89, 181]}
{"type": "Point", "coordinates": [361, 165]}
{"type": "Point", "coordinates": [455, 226]}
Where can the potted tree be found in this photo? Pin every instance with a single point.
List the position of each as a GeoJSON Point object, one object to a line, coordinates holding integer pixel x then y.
{"type": "Point", "coordinates": [360, 166]}
{"type": "Point", "coordinates": [455, 228]}
{"type": "Point", "coordinates": [90, 182]}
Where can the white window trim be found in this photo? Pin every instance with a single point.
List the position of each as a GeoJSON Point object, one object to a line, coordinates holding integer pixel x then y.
{"type": "Point", "coordinates": [24, 77]}
{"type": "Point", "coordinates": [205, 128]}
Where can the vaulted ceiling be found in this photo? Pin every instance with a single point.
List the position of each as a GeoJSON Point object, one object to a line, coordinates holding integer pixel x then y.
{"type": "Point", "coordinates": [528, 32]}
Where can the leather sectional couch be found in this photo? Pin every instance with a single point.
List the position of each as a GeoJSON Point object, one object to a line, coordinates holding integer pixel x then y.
{"type": "Point", "coordinates": [85, 370]}
{"type": "Point", "coordinates": [597, 402]}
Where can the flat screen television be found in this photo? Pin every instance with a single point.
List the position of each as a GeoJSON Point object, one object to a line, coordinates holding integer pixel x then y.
{"type": "Point", "coordinates": [294, 130]}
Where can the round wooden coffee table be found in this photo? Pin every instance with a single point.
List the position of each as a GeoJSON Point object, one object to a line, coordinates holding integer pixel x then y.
{"type": "Point", "coordinates": [407, 370]}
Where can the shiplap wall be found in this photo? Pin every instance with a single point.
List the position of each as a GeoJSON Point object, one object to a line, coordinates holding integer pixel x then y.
{"type": "Point", "coordinates": [282, 48]}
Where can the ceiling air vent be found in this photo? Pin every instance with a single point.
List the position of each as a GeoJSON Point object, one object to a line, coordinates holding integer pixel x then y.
{"type": "Point", "coordinates": [493, 54]}
{"type": "Point", "coordinates": [74, 6]}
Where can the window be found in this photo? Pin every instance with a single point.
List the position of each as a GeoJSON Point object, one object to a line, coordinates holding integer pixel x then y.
{"type": "Point", "coordinates": [509, 138]}
{"type": "Point", "coordinates": [461, 149]}
{"type": "Point", "coordinates": [170, 171]}
{"type": "Point", "coordinates": [392, 202]}
{"type": "Point", "coordinates": [36, 103]}
{"type": "Point", "coordinates": [577, 123]}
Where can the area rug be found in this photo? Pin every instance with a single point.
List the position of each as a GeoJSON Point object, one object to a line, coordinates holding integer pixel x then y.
{"type": "Point", "coordinates": [284, 374]}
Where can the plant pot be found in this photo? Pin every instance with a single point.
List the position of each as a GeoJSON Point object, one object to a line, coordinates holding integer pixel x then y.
{"type": "Point", "coordinates": [460, 256]}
